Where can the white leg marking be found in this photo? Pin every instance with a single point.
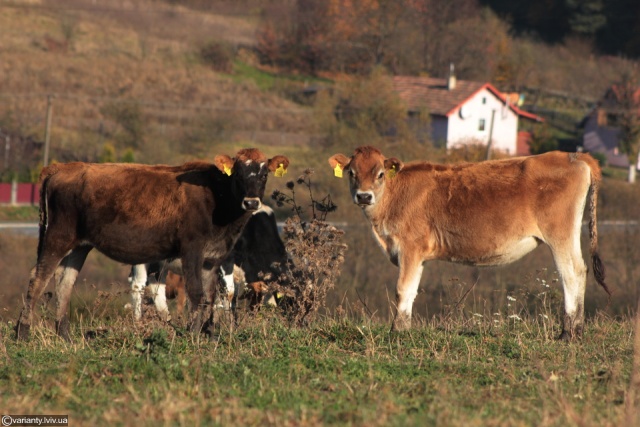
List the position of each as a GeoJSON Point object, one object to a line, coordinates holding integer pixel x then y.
{"type": "Point", "coordinates": [138, 282]}
{"type": "Point", "coordinates": [159, 295]}
{"type": "Point", "coordinates": [573, 271]}
{"type": "Point", "coordinates": [408, 289]}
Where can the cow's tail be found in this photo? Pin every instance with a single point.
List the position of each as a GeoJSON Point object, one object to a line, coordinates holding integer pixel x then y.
{"type": "Point", "coordinates": [598, 266]}
{"type": "Point", "coordinates": [45, 175]}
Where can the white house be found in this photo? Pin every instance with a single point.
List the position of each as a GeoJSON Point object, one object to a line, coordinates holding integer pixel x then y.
{"type": "Point", "coordinates": [463, 112]}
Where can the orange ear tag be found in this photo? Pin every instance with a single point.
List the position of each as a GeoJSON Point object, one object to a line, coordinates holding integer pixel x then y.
{"type": "Point", "coordinates": [227, 170]}
{"type": "Point", "coordinates": [392, 172]}
{"type": "Point", "coordinates": [281, 171]}
{"type": "Point", "coordinates": [337, 171]}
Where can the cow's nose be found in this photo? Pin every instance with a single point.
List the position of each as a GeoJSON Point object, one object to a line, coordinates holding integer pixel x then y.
{"type": "Point", "coordinates": [364, 198]}
{"type": "Point", "coordinates": [251, 204]}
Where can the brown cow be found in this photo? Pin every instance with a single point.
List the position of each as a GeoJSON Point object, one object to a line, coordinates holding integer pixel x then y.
{"type": "Point", "coordinates": [488, 213]}
{"type": "Point", "coordinates": [139, 213]}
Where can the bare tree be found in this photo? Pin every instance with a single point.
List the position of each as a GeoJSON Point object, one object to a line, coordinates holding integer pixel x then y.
{"type": "Point", "coordinates": [629, 119]}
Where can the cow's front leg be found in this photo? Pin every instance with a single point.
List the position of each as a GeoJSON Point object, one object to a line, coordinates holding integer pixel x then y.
{"type": "Point", "coordinates": [406, 290]}
{"type": "Point", "coordinates": [138, 279]}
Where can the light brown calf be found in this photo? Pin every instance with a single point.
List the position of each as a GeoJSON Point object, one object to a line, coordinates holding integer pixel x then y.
{"type": "Point", "coordinates": [488, 213]}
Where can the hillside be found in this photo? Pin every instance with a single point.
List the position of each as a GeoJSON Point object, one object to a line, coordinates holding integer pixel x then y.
{"type": "Point", "coordinates": [161, 82]}
{"type": "Point", "coordinates": [134, 75]}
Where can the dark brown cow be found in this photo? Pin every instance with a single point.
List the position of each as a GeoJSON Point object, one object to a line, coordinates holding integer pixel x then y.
{"type": "Point", "coordinates": [138, 213]}
{"type": "Point", "coordinates": [488, 213]}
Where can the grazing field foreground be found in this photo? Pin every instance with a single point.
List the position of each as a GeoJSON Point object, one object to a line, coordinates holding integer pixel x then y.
{"type": "Point", "coordinates": [472, 372]}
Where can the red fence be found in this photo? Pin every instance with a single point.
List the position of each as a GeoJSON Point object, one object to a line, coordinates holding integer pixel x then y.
{"type": "Point", "coordinates": [19, 194]}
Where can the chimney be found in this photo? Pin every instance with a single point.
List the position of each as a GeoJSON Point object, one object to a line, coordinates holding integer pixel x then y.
{"type": "Point", "coordinates": [451, 83]}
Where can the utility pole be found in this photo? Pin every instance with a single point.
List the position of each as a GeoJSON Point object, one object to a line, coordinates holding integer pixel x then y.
{"type": "Point", "coordinates": [47, 131]}
{"type": "Point", "coordinates": [493, 115]}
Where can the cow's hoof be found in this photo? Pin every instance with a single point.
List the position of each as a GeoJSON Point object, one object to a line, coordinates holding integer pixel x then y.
{"type": "Point", "coordinates": [195, 325]}
{"type": "Point", "coordinates": [62, 329]}
{"type": "Point", "coordinates": [402, 322]}
{"type": "Point", "coordinates": [570, 334]}
{"type": "Point", "coordinates": [210, 332]}
{"type": "Point", "coordinates": [23, 331]}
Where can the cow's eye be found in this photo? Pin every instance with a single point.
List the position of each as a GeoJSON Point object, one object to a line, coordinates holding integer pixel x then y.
{"type": "Point", "coordinates": [351, 173]}
{"type": "Point", "coordinates": [381, 175]}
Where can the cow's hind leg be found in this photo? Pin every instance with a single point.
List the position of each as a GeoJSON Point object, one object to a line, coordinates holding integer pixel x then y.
{"type": "Point", "coordinates": [406, 291]}
{"type": "Point", "coordinates": [65, 277]}
{"type": "Point", "coordinates": [41, 274]}
{"type": "Point", "coordinates": [573, 273]}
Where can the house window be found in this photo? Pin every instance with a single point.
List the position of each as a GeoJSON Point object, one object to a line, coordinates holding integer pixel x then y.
{"type": "Point", "coordinates": [481, 125]}
{"type": "Point", "coordinates": [484, 100]}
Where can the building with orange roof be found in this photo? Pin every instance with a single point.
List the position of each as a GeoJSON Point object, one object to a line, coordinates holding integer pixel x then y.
{"type": "Point", "coordinates": [463, 112]}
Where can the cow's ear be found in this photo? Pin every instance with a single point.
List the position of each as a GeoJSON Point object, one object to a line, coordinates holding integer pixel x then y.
{"type": "Point", "coordinates": [338, 163]}
{"type": "Point", "coordinates": [393, 166]}
{"type": "Point", "coordinates": [393, 163]}
{"type": "Point", "coordinates": [224, 163]}
{"type": "Point", "coordinates": [279, 165]}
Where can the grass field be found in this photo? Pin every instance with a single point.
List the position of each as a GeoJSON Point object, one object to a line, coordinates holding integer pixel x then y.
{"type": "Point", "coordinates": [452, 370]}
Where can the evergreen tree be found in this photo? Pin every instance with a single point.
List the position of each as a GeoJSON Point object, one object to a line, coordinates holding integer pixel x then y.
{"type": "Point", "coordinates": [586, 17]}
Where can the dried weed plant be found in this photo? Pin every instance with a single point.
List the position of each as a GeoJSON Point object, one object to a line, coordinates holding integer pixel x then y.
{"type": "Point", "coordinates": [316, 249]}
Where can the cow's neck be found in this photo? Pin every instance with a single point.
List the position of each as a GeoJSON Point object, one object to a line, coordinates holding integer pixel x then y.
{"type": "Point", "coordinates": [382, 233]}
{"type": "Point", "coordinates": [375, 217]}
{"type": "Point", "coordinates": [228, 211]}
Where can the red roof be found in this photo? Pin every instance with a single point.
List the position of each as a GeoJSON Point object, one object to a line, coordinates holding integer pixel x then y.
{"type": "Point", "coordinates": [433, 95]}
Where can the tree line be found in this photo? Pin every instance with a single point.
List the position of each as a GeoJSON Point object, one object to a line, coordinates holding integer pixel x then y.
{"type": "Point", "coordinates": [413, 36]}
{"type": "Point", "coordinates": [612, 25]}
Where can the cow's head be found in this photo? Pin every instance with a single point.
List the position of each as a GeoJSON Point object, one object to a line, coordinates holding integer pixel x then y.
{"type": "Point", "coordinates": [248, 171]}
{"type": "Point", "coordinates": [368, 170]}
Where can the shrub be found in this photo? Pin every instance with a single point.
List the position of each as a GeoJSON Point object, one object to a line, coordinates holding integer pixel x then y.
{"type": "Point", "coordinates": [601, 158]}
{"type": "Point", "coordinates": [218, 56]}
{"type": "Point", "coordinates": [108, 154]}
{"type": "Point", "coordinates": [130, 118]}
{"type": "Point", "coordinates": [317, 252]}
{"type": "Point", "coordinates": [128, 156]}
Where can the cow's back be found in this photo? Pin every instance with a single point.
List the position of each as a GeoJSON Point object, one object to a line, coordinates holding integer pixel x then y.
{"type": "Point", "coordinates": [126, 209]}
{"type": "Point", "coordinates": [458, 208]}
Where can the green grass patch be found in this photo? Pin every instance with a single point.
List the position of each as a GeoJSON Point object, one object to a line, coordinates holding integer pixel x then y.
{"type": "Point", "coordinates": [266, 80]}
{"type": "Point", "coordinates": [336, 371]}
{"type": "Point", "coordinates": [19, 213]}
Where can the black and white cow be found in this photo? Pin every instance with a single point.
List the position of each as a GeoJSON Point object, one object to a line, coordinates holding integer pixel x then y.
{"type": "Point", "coordinates": [258, 252]}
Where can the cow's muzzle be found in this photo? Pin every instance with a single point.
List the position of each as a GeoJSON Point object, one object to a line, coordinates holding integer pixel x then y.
{"type": "Point", "coordinates": [251, 204]}
{"type": "Point", "coordinates": [364, 198]}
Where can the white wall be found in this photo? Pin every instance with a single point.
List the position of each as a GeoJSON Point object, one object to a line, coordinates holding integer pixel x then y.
{"type": "Point", "coordinates": [464, 128]}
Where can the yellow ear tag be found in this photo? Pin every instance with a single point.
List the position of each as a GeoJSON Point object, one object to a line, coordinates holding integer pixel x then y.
{"type": "Point", "coordinates": [337, 171]}
{"type": "Point", "coordinates": [227, 170]}
{"type": "Point", "coordinates": [281, 171]}
{"type": "Point", "coordinates": [392, 172]}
